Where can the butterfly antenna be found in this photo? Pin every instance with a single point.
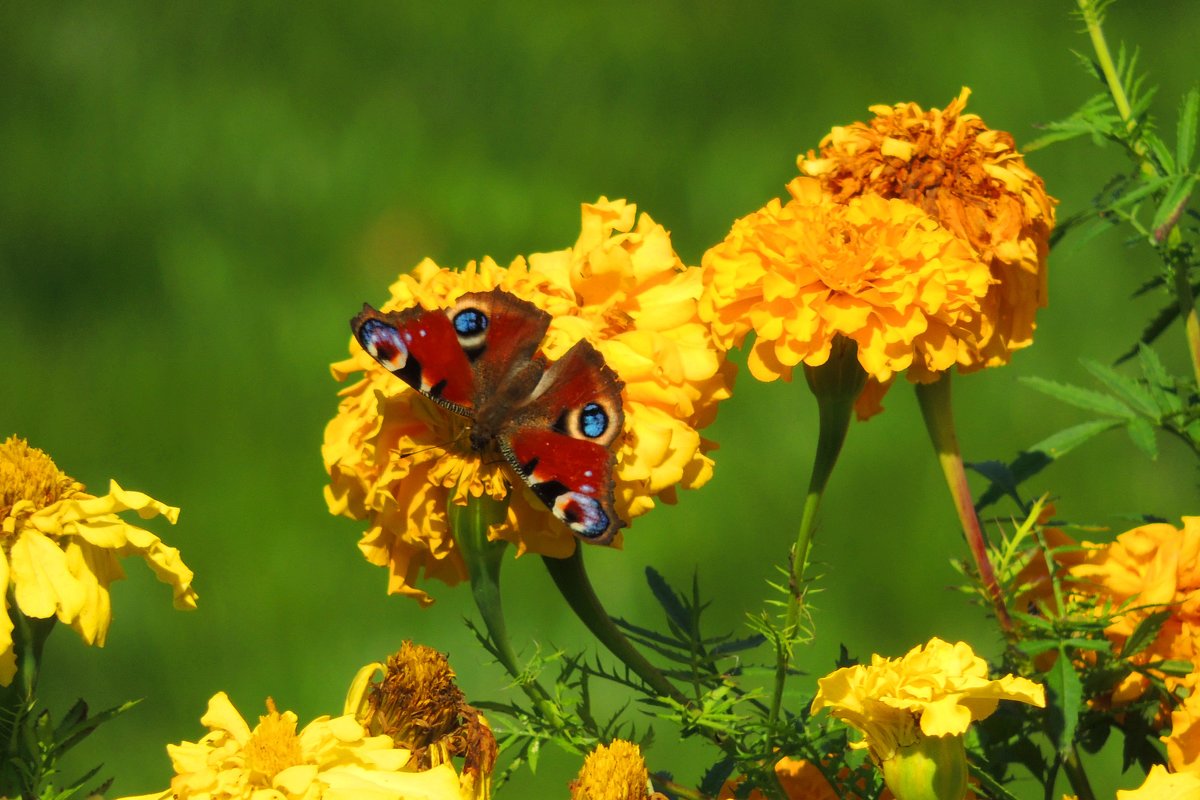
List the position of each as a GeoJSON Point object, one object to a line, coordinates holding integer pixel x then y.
{"type": "Point", "coordinates": [440, 446]}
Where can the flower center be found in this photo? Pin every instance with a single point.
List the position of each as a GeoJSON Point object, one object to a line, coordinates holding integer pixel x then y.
{"type": "Point", "coordinates": [417, 703]}
{"type": "Point", "coordinates": [27, 473]}
{"type": "Point", "coordinates": [273, 747]}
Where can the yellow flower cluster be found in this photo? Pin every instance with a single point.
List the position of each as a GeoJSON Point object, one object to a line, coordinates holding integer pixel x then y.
{"type": "Point", "coordinates": [936, 689]}
{"type": "Point", "coordinates": [615, 771]}
{"type": "Point", "coordinates": [62, 545]}
{"type": "Point", "coordinates": [880, 272]}
{"type": "Point", "coordinates": [974, 182]}
{"type": "Point", "coordinates": [392, 455]}
{"type": "Point", "coordinates": [923, 238]}
{"type": "Point", "coordinates": [331, 758]}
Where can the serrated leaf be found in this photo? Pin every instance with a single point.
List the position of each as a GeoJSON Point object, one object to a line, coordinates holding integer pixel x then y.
{"type": "Point", "coordinates": [1185, 129]}
{"type": "Point", "coordinates": [1176, 668]}
{"type": "Point", "coordinates": [1079, 397]}
{"type": "Point", "coordinates": [715, 777]}
{"type": "Point", "coordinates": [667, 598]}
{"type": "Point", "coordinates": [1037, 647]}
{"type": "Point", "coordinates": [1144, 189]}
{"type": "Point", "coordinates": [1157, 147]}
{"type": "Point", "coordinates": [1064, 702]}
{"type": "Point", "coordinates": [1144, 633]}
{"type": "Point", "coordinates": [1057, 445]}
{"type": "Point", "coordinates": [1141, 433]}
{"type": "Point", "coordinates": [1128, 389]}
{"type": "Point", "coordinates": [1157, 378]}
{"type": "Point", "coordinates": [1160, 322]}
{"type": "Point", "coordinates": [1172, 204]}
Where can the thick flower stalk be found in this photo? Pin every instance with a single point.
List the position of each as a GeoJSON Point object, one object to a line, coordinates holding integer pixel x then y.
{"type": "Point", "coordinates": [880, 272]}
{"type": "Point", "coordinates": [62, 548]}
{"type": "Point", "coordinates": [1147, 569]}
{"type": "Point", "coordinates": [331, 758]}
{"type": "Point", "coordinates": [395, 459]}
{"type": "Point", "coordinates": [913, 712]}
{"type": "Point", "coordinates": [973, 180]}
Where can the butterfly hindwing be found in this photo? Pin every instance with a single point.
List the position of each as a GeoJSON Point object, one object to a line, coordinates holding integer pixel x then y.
{"type": "Point", "coordinates": [561, 441]}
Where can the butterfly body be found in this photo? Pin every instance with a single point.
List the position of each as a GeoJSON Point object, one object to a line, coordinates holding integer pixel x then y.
{"type": "Point", "coordinates": [556, 424]}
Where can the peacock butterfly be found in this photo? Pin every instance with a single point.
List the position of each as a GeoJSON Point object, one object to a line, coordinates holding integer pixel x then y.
{"type": "Point", "coordinates": [556, 424]}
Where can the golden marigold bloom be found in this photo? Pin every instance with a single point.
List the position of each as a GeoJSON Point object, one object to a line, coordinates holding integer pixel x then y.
{"type": "Point", "coordinates": [417, 704]}
{"type": "Point", "coordinates": [878, 271]}
{"type": "Point", "coordinates": [1146, 569]}
{"type": "Point", "coordinates": [974, 182]}
{"type": "Point", "coordinates": [1163, 785]}
{"type": "Point", "coordinates": [61, 547]}
{"type": "Point", "coordinates": [936, 689]}
{"type": "Point", "coordinates": [615, 771]}
{"type": "Point", "coordinates": [393, 456]}
{"type": "Point", "coordinates": [331, 758]}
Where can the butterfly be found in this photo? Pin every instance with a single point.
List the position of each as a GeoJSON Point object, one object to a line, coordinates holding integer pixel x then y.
{"type": "Point", "coordinates": [556, 424]}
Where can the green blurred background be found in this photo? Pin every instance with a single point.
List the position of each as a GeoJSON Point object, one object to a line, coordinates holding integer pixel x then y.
{"type": "Point", "coordinates": [195, 197]}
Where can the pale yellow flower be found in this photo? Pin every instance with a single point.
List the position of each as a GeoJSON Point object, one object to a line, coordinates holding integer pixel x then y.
{"type": "Point", "coordinates": [1163, 785]}
{"type": "Point", "coordinates": [975, 183]}
{"type": "Point", "coordinates": [62, 548]}
{"type": "Point", "coordinates": [936, 689]}
{"type": "Point", "coordinates": [330, 759]}
{"type": "Point", "coordinates": [879, 272]}
{"type": "Point", "coordinates": [393, 456]}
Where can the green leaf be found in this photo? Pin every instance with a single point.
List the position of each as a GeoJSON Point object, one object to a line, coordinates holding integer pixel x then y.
{"type": "Point", "coordinates": [667, 598]}
{"type": "Point", "coordinates": [1057, 445]}
{"type": "Point", "coordinates": [1144, 634]}
{"type": "Point", "coordinates": [1185, 131]}
{"type": "Point", "coordinates": [1079, 397]}
{"type": "Point", "coordinates": [1128, 389]}
{"type": "Point", "coordinates": [1172, 205]}
{"type": "Point", "coordinates": [1157, 378]}
{"type": "Point", "coordinates": [1145, 188]}
{"type": "Point", "coordinates": [1065, 701]}
{"type": "Point", "coordinates": [1141, 433]}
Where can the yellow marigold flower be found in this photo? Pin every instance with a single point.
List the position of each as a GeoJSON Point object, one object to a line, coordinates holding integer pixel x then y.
{"type": "Point", "coordinates": [392, 455]}
{"type": "Point", "coordinates": [331, 758]}
{"type": "Point", "coordinates": [878, 271]}
{"type": "Point", "coordinates": [614, 771]}
{"type": "Point", "coordinates": [936, 689]}
{"type": "Point", "coordinates": [61, 547]}
{"type": "Point", "coordinates": [1163, 785]}
{"type": "Point", "coordinates": [974, 182]}
{"type": "Point", "coordinates": [1147, 569]}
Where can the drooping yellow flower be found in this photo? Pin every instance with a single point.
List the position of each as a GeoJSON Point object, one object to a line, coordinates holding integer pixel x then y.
{"type": "Point", "coordinates": [393, 456]}
{"type": "Point", "coordinates": [331, 758]}
{"type": "Point", "coordinates": [416, 702]}
{"type": "Point", "coordinates": [935, 690]}
{"type": "Point", "coordinates": [1163, 785]}
{"type": "Point", "coordinates": [614, 771]}
{"type": "Point", "coordinates": [880, 272]}
{"type": "Point", "coordinates": [62, 545]}
{"type": "Point", "coordinates": [1147, 569]}
{"type": "Point", "coordinates": [975, 183]}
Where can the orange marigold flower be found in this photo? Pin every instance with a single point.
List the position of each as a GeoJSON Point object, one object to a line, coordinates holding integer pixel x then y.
{"type": "Point", "coordinates": [1147, 569]}
{"type": "Point", "coordinates": [801, 780]}
{"type": "Point", "coordinates": [974, 182]}
{"type": "Point", "coordinates": [1183, 742]}
{"type": "Point", "coordinates": [880, 272]}
{"type": "Point", "coordinates": [393, 457]}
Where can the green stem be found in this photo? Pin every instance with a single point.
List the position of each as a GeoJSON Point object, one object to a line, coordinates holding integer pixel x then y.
{"type": "Point", "coordinates": [836, 384]}
{"type": "Point", "coordinates": [483, 559]}
{"type": "Point", "coordinates": [19, 697]}
{"type": "Point", "coordinates": [938, 412]}
{"type": "Point", "coordinates": [1187, 310]}
{"type": "Point", "coordinates": [1077, 777]}
{"type": "Point", "coordinates": [571, 578]}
